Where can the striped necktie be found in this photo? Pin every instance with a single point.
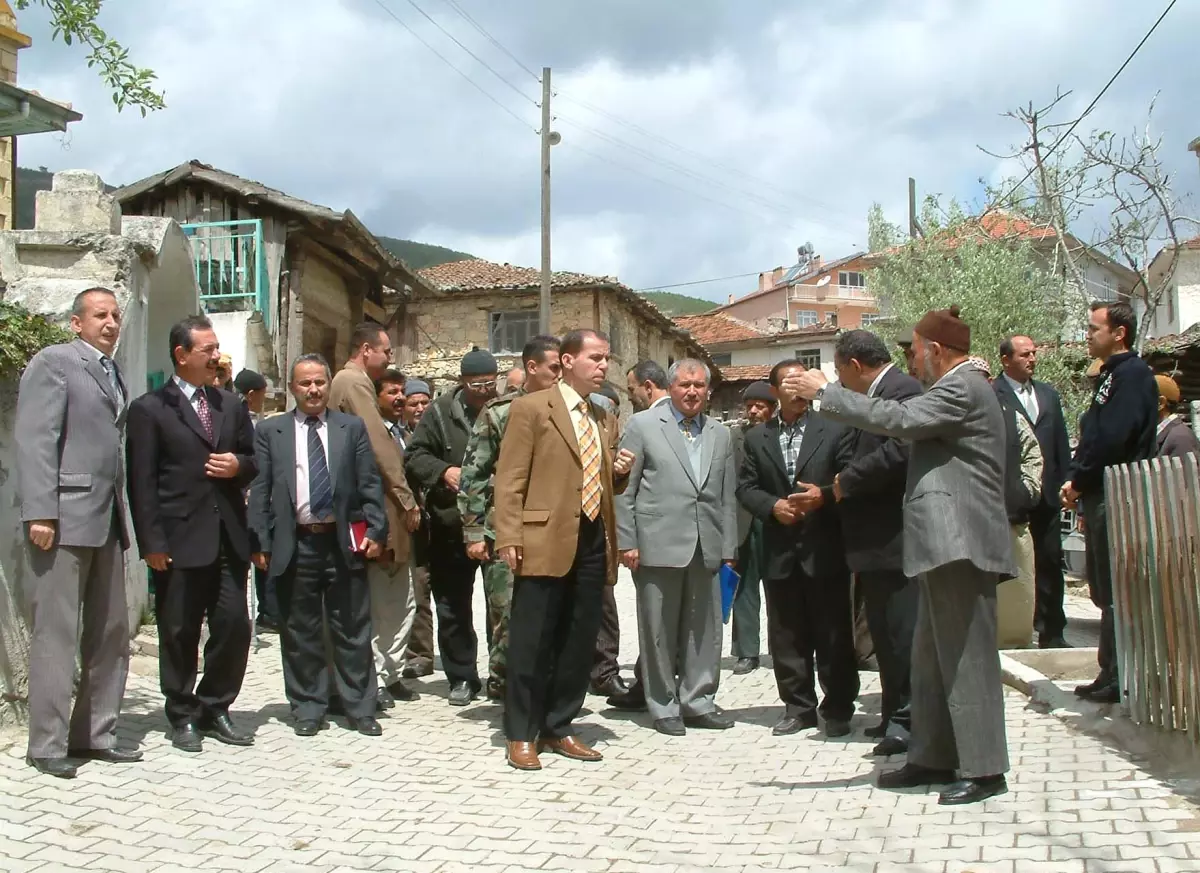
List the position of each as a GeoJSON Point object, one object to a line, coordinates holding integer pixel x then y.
{"type": "Point", "coordinates": [320, 490]}
{"type": "Point", "coordinates": [589, 455]}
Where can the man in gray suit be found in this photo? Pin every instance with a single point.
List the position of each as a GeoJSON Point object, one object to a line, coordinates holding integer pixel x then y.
{"type": "Point", "coordinates": [676, 524]}
{"type": "Point", "coordinates": [70, 478]}
{"type": "Point", "coordinates": [957, 544]}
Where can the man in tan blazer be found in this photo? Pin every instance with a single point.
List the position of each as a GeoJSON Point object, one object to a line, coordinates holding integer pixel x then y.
{"type": "Point", "coordinates": [556, 528]}
{"type": "Point", "coordinates": [393, 605]}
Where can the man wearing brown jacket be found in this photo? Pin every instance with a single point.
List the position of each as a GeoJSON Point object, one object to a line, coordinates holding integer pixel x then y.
{"type": "Point", "coordinates": [556, 528]}
{"type": "Point", "coordinates": [392, 603]}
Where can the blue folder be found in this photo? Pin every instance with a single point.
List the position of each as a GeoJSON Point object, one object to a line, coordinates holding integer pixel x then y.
{"type": "Point", "coordinates": [729, 584]}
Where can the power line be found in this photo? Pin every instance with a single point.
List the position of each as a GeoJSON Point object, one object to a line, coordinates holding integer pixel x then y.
{"type": "Point", "coordinates": [1091, 105]}
{"type": "Point", "coordinates": [697, 282]}
{"type": "Point", "coordinates": [457, 42]}
{"type": "Point", "coordinates": [479, 27]}
{"type": "Point", "coordinates": [446, 61]}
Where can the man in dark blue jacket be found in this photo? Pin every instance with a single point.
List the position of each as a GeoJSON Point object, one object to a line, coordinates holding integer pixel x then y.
{"type": "Point", "coordinates": [1118, 428]}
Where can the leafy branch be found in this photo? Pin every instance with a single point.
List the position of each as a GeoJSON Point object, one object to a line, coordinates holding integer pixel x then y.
{"type": "Point", "coordinates": [22, 335]}
{"type": "Point", "coordinates": [74, 21]}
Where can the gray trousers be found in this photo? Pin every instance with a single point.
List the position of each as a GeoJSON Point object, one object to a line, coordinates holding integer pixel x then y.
{"type": "Point", "coordinates": [679, 629]}
{"type": "Point", "coordinates": [393, 609]}
{"type": "Point", "coordinates": [747, 600]}
{"type": "Point", "coordinates": [65, 579]}
{"type": "Point", "coordinates": [957, 691]}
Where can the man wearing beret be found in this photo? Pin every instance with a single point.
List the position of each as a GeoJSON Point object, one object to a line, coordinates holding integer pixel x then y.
{"type": "Point", "coordinates": [956, 545]}
{"type": "Point", "coordinates": [1175, 438]}
{"type": "Point", "coordinates": [758, 406]}
{"type": "Point", "coordinates": [435, 458]}
{"type": "Point", "coordinates": [418, 660]}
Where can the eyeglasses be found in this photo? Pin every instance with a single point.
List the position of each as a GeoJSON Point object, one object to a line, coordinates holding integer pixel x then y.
{"type": "Point", "coordinates": [482, 386]}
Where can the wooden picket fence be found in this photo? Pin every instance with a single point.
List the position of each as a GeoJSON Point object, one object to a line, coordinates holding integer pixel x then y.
{"type": "Point", "coordinates": [1154, 543]}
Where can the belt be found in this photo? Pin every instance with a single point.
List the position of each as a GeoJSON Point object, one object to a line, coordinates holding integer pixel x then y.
{"type": "Point", "coordinates": [322, 527]}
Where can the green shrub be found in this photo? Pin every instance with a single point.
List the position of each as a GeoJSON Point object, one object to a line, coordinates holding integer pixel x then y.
{"type": "Point", "coordinates": [22, 335]}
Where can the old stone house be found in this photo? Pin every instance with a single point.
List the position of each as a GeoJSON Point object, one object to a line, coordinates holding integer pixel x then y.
{"type": "Point", "coordinates": [495, 307]}
{"type": "Point", "coordinates": [278, 275]}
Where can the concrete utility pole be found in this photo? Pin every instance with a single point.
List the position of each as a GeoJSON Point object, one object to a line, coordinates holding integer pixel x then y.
{"type": "Point", "coordinates": [544, 308]}
{"type": "Point", "coordinates": [914, 227]}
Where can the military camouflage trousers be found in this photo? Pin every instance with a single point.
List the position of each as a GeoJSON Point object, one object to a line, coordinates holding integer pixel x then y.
{"type": "Point", "coordinates": [497, 589]}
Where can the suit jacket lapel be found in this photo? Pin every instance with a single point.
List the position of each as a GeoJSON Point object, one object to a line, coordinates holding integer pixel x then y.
{"type": "Point", "coordinates": [1016, 401]}
{"type": "Point", "coordinates": [287, 452]}
{"type": "Point", "coordinates": [186, 412]}
{"type": "Point", "coordinates": [337, 445]}
{"type": "Point", "coordinates": [814, 433]}
{"type": "Point", "coordinates": [562, 420]}
{"type": "Point", "coordinates": [771, 435]}
{"type": "Point", "coordinates": [708, 437]}
{"type": "Point", "coordinates": [92, 364]}
{"type": "Point", "coordinates": [675, 440]}
{"type": "Point", "coordinates": [1042, 393]}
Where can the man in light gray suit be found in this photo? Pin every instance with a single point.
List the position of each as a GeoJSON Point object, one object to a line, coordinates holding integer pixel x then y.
{"type": "Point", "coordinates": [676, 524]}
{"type": "Point", "coordinates": [70, 479]}
{"type": "Point", "coordinates": [957, 544]}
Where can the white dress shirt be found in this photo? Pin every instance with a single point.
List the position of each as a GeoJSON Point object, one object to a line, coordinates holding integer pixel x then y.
{"type": "Point", "coordinates": [1025, 394]}
{"type": "Point", "coordinates": [579, 420]}
{"type": "Point", "coordinates": [303, 514]}
{"type": "Point", "coordinates": [875, 385]}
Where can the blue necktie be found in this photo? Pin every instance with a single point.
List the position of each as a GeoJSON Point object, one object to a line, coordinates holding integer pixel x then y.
{"type": "Point", "coordinates": [320, 492]}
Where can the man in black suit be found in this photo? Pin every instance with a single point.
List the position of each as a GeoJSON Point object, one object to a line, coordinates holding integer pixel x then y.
{"type": "Point", "coordinates": [316, 516]}
{"type": "Point", "coordinates": [786, 480]}
{"type": "Point", "coordinates": [870, 494]}
{"type": "Point", "coordinates": [1042, 407]}
{"type": "Point", "coordinates": [190, 454]}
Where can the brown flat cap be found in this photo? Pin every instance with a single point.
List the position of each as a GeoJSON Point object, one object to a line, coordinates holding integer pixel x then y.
{"type": "Point", "coordinates": [944, 327]}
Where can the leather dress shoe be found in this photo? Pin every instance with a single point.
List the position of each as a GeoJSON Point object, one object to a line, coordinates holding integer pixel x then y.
{"type": "Point", "coordinates": [384, 700]}
{"type": "Point", "coordinates": [878, 732]}
{"type": "Point", "coordinates": [611, 687]}
{"type": "Point", "coordinates": [672, 727]}
{"type": "Point", "coordinates": [1095, 685]}
{"type": "Point", "coordinates": [221, 728]}
{"type": "Point", "coordinates": [187, 739]}
{"type": "Point", "coordinates": [570, 747]}
{"type": "Point", "coordinates": [63, 768]}
{"type": "Point", "coordinates": [401, 692]}
{"type": "Point", "coordinates": [307, 727]}
{"type": "Point", "coordinates": [416, 669]}
{"type": "Point", "coordinates": [632, 700]}
{"type": "Point", "coordinates": [495, 690]}
{"type": "Point", "coordinates": [266, 625]}
{"type": "Point", "coordinates": [793, 724]}
{"type": "Point", "coordinates": [108, 756]}
{"type": "Point", "coordinates": [914, 776]}
{"type": "Point", "coordinates": [1109, 693]}
{"type": "Point", "coordinates": [717, 720]}
{"type": "Point", "coordinates": [1057, 642]}
{"type": "Point", "coordinates": [461, 693]}
{"type": "Point", "coordinates": [367, 726]}
{"type": "Point", "coordinates": [744, 666]}
{"type": "Point", "coordinates": [837, 727]}
{"type": "Point", "coordinates": [522, 755]}
{"type": "Point", "coordinates": [973, 790]}
{"type": "Point", "coordinates": [890, 746]}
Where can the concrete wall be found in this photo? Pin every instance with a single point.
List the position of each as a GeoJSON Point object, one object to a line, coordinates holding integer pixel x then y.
{"type": "Point", "coordinates": [756, 311]}
{"type": "Point", "coordinates": [773, 354]}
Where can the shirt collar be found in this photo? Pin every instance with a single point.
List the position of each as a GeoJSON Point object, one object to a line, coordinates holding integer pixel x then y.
{"type": "Point", "coordinates": [878, 379]}
{"type": "Point", "coordinates": [569, 395]}
{"type": "Point", "coordinates": [99, 354]}
{"type": "Point", "coordinates": [799, 422]}
{"type": "Point", "coordinates": [1166, 422]}
{"type": "Point", "coordinates": [660, 401]}
{"type": "Point", "coordinates": [1018, 386]}
{"type": "Point", "coordinates": [302, 417]}
{"type": "Point", "coordinates": [189, 390]}
{"type": "Point", "coordinates": [679, 416]}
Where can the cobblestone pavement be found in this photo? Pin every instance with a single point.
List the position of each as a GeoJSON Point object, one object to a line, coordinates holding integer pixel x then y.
{"type": "Point", "coordinates": [433, 793]}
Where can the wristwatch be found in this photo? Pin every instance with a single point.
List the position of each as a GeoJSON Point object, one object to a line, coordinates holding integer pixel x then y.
{"type": "Point", "coordinates": [816, 401]}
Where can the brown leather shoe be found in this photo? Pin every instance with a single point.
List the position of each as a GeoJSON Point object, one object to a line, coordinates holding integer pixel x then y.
{"type": "Point", "coordinates": [570, 747]}
{"type": "Point", "coordinates": [522, 756]}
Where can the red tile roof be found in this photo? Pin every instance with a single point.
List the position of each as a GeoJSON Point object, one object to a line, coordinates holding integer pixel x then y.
{"type": "Point", "coordinates": [476, 274]}
{"type": "Point", "coordinates": [711, 328]}
{"type": "Point", "coordinates": [750, 373]}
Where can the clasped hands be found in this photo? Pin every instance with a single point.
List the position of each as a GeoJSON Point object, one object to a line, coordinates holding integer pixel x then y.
{"type": "Point", "coordinates": [805, 499]}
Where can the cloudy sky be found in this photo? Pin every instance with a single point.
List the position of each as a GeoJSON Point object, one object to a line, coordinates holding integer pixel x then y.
{"type": "Point", "coordinates": [701, 138]}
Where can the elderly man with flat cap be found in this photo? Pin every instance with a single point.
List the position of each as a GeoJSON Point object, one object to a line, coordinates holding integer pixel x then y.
{"type": "Point", "coordinates": [957, 546]}
{"type": "Point", "coordinates": [1175, 438]}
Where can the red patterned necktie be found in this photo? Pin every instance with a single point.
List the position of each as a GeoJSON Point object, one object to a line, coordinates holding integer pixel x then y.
{"type": "Point", "coordinates": [203, 412]}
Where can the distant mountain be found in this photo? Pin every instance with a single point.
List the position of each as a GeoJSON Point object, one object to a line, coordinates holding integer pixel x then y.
{"type": "Point", "coordinates": [421, 255]}
{"type": "Point", "coordinates": [678, 304]}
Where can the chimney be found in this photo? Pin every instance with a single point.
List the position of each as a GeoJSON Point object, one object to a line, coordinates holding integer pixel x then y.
{"type": "Point", "coordinates": [730, 298]}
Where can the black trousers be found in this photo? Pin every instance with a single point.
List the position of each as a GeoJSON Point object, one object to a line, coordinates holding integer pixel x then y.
{"type": "Point", "coordinates": [608, 640]}
{"type": "Point", "coordinates": [264, 593]}
{"type": "Point", "coordinates": [810, 623]}
{"type": "Point", "coordinates": [890, 599]}
{"type": "Point", "coordinates": [452, 584]}
{"type": "Point", "coordinates": [552, 631]}
{"type": "Point", "coordinates": [317, 588]}
{"type": "Point", "coordinates": [183, 599]}
{"type": "Point", "coordinates": [1045, 527]}
{"type": "Point", "coordinates": [1100, 584]}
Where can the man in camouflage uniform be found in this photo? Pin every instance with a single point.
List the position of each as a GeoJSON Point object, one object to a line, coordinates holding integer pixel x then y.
{"type": "Point", "coordinates": [475, 504]}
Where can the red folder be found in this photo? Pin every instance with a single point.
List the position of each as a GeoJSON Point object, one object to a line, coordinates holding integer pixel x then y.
{"type": "Point", "coordinates": [358, 533]}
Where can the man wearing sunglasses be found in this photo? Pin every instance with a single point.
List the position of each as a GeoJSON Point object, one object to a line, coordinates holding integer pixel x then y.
{"type": "Point", "coordinates": [435, 458]}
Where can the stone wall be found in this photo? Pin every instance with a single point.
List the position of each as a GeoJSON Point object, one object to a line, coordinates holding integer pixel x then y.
{"type": "Point", "coordinates": [11, 42]}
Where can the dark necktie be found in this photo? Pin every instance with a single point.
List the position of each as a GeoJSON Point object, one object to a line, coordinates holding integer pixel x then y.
{"type": "Point", "coordinates": [320, 492]}
{"type": "Point", "coordinates": [202, 411]}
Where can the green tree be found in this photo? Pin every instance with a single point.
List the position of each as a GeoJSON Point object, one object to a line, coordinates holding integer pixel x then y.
{"type": "Point", "coordinates": [74, 21]}
{"type": "Point", "coordinates": [999, 283]}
